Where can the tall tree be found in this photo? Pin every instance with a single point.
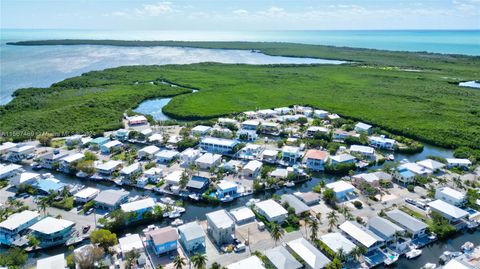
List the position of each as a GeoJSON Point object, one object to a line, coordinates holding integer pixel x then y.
{"type": "Point", "coordinates": [199, 261]}
{"type": "Point", "coordinates": [313, 224]}
{"type": "Point", "coordinates": [332, 219]}
{"type": "Point", "coordinates": [276, 232]}
{"type": "Point", "coordinates": [179, 262]}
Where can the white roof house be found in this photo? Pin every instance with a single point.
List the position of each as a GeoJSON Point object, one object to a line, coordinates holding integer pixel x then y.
{"type": "Point", "coordinates": [86, 194]}
{"type": "Point", "coordinates": [133, 168]}
{"type": "Point", "coordinates": [225, 185]}
{"type": "Point", "coordinates": [22, 148]}
{"type": "Point", "coordinates": [6, 147]}
{"type": "Point", "coordinates": [208, 160]}
{"type": "Point", "coordinates": [148, 151]}
{"type": "Point", "coordinates": [431, 164]}
{"type": "Point", "coordinates": [130, 242]}
{"type": "Point", "coordinates": [450, 196]}
{"type": "Point", "coordinates": [155, 138]}
{"type": "Point", "coordinates": [447, 210]}
{"type": "Point", "coordinates": [364, 150]}
{"type": "Point", "coordinates": [24, 178]}
{"type": "Point", "coordinates": [52, 262]}
{"type": "Point", "coordinates": [51, 225]}
{"type": "Point", "coordinates": [362, 127]}
{"type": "Point", "coordinates": [271, 210]}
{"type": "Point", "coordinates": [360, 234]}
{"type": "Point", "coordinates": [252, 262]}
{"type": "Point", "coordinates": [308, 253]}
{"type": "Point", "coordinates": [336, 241]}
{"type": "Point", "coordinates": [342, 158]}
{"type": "Point", "coordinates": [9, 170]}
{"type": "Point", "coordinates": [174, 177]}
{"type": "Point", "coordinates": [340, 186]}
{"type": "Point", "coordinates": [416, 169]}
{"type": "Point", "coordinates": [167, 154]}
{"type": "Point", "coordinates": [201, 129]}
{"type": "Point", "coordinates": [73, 158]}
{"type": "Point", "coordinates": [458, 162]}
{"type": "Point", "coordinates": [270, 153]}
{"type": "Point", "coordinates": [242, 214]}
{"type": "Point", "coordinates": [220, 219]}
{"type": "Point", "coordinates": [108, 166]}
{"type": "Point", "coordinates": [456, 264]}
{"type": "Point", "coordinates": [111, 144]}
{"type": "Point", "coordinates": [18, 219]}
{"type": "Point", "coordinates": [138, 205]}
{"type": "Point", "coordinates": [282, 259]}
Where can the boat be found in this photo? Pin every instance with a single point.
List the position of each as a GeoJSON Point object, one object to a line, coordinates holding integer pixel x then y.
{"type": "Point", "coordinates": [176, 222]}
{"type": "Point", "coordinates": [290, 184]}
{"type": "Point", "coordinates": [174, 214]}
{"type": "Point", "coordinates": [194, 197]}
{"type": "Point", "coordinates": [252, 202]}
{"type": "Point", "coordinates": [392, 257]}
{"type": "Point", "coordinates": [429, 265]}
{"type": "Point", "coordinates": [167, 200]}
{"type": "Point", "coordinates": [47, 175]}
{"type": "Point", "coordinates": [413, 253]}
{"type": "Point", "coordinates": [432, 236]}
{"type": "Point", "coordinates": [448, 255]}
{"type": "Point", "coordinates": [391, 157]}
{"type": "Point", "coordinates": [227, 198]}
{"type": "Point", "coordinates": [472, 225]}
{"type": "Point", "coordinates": [467, 247]}
{"type": "Point", "coordinates": [36, 166]}
{"type": "Point", "coordinates": [81, 174]}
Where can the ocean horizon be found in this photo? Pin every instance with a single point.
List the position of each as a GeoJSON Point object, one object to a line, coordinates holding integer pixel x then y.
{"type": "Point", "coordinates": [40, 66]}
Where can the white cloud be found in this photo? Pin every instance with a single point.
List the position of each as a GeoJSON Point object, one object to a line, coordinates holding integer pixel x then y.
{"type": "Point", "coordinates": [154, 9]}
{"type": "Point", "coordinates": [240, 12]}
{"type": "Point", "coordinates": [273, 12]}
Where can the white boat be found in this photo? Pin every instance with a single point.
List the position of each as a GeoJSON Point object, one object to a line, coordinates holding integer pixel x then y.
{"type": "Point", "coordinates": [174, 214]}
{"type": "Point", "coordinates": [467, 247]}
{"type": "Point", "coordinates": [227, 198]}
{"type": "Point", "coordinates": [290, 184]}
{"type": "Point", "coordinates": [176, 222]}
{"type": "Point", "coordinates": [472, 225]}
{"type": "Point", "coordinates": [413, 253]}
{"type": "Point", "coordinates": [167, 200]}
{"type": "Point", "coordinates": [47, 175]}
{"type": "Point", "coordinates": [392, 257]}
{"type": "Point", "coordinates": [81, 174]}
{"type": "Point", "coordinates": [429, 265]}
{"type": "Point", "coordinates": [432, 236]}
{"type": "Point", "coordinates": [252, 202]}
{"type": "Point", "coordinates": [391, 157]}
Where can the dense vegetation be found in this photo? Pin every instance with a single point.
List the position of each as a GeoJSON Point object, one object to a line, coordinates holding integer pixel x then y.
{"type": "Point", "coordinates": [380, 88]}
{"type": "Point", "coordinates": [87, 104]}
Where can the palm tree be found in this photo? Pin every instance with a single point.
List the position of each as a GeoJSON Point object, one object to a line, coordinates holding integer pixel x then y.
{"type": "Point", "coordinates": [319, 217]}
{"type": "Point", "coordinates": [359, 251]}
{"type": "Point", "coordinates": [341, 254]}
{"type": "Point", "coordinates": [159, 266]}
{"type": "Point", "coordinates": [179, 262]}
{"type": "Point", "coordinates": [199, 261]}
{"type": "Point", "coordinates": [313, 230]}
{"type": "Point", "coordinates": [332, 219]}
{"type": "Point", "coordinates": [215, 265]}
{"type": "Point", "coordinates": [442, 181]}
{"type": "Point", "coordinates": [43, 204]}
{"type": "Point", "coordinates": [346, 212]}
{"type": "Point", "coordinates": [277, 232]}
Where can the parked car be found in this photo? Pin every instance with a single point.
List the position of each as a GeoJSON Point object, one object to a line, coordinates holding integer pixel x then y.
{"type": "Point", "coordinates": [90, 211]}
{"type": "Point", "coordinates": [85, 229]}
{"type": "Point", "coordinates": [240, 248]}
{"type": "Point", "coordinates": [410, 201]}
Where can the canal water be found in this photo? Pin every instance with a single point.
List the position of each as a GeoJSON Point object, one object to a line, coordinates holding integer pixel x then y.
{"type": "Point", "coordinates": [197, 210]}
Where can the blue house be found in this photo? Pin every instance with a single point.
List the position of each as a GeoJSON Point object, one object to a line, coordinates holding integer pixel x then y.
{"type": "Point", "coordinates": [139, 207]}
{"type": "Point", "coordinates": [162, 240]}
{"type": "Point", "coordinates": [192, 237]}
{"type": "Point", "coordinates": [226, 188]}
{"type": "Point", "coordinates": [98, 142]}
{"type": "Point", "coordinates": [16, 225]}
{"type": "Point", "coordinates": [197, 184]}
{"type": "Point", "coordinates": [45, 186]}
{"type": "Point", "coordinates": [52, 232]}
{"type": "Point", "coordinates": [108, 147]}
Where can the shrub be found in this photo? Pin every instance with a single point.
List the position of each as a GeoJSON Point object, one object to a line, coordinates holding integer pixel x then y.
{"type": "Point", "coordinates": [410, 188]}
{"type": "Point", "coordinates": [357, 204]}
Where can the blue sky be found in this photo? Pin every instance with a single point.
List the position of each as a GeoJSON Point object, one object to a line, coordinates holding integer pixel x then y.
{"type": "Point", "coordinates": [241, 15]}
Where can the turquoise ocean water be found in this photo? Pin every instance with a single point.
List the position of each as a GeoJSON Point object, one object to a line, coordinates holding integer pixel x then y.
{"type": "Point", "coordinates": [40, 66]}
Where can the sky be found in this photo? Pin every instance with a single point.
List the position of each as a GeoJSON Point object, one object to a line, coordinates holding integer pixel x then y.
{"type": "Point", "coordinates": [240, 14]}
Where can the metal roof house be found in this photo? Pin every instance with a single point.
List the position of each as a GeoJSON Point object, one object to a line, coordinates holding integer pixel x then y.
{"type": "Point", "coordinates": [162, 240]}
{"type": "Point", "coordinates": [52, 232]}
{"type": "Point", "coordinates": [412, 225]}
{"type": "Point", "coordinates": [282, 259]}
{"type": "Point", "coordinates": [111, 199]}
{"type": "Point", "coordinates": [139, 207]}
{"type": "Point", "coordinates": [252, 262]}
{"type": "Point", "coordinates": [271, 210]}
{"type": "Point", "coordinates": [361, 235]}
{"type": "Point", "coordinates": [52, 262]}
{"type": "Point", "coordinates": [86, 194]}
{"type": "Point", "coordinates": [192, 237]}
{"type": "Point", "coordinates": [217, 145]}
{"type": "Point", "coordinates": [221, 227]}
{"type": "Point", "coordinates": [242, 215]}
{"type": "Point", "coordinates": [384, 228]}
{"type": "Point", "coordinates": [336, 241]}
{"type": "Point", "coordinates": [299, 206]}
{"type": "Point", "coordinates": [313, 258]}
{"type": "Point", "coordinates": [450, 196]}
{"type": "Point", "coordinates": [12, 228]}
{"type": "Point", "coordinates": [452, 213]}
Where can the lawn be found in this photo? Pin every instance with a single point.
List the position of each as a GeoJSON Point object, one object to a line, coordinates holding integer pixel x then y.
{"type": "Point", "coordinates": [410, 94]}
